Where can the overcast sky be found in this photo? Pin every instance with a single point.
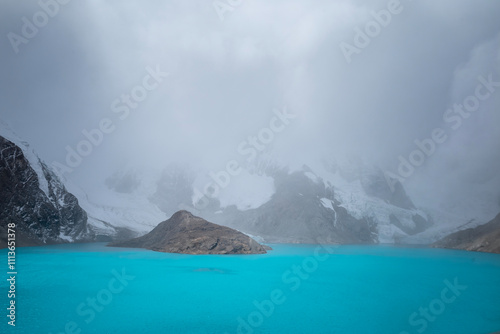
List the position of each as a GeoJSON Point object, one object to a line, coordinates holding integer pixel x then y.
{"type": "Point", "coordinates": [230, 66]}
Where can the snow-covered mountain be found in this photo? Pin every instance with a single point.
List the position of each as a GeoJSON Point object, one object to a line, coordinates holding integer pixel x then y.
{"type": "Point", "coordinates": [349, 203]}
{"type": "Point", "coordinates": [346, 202]}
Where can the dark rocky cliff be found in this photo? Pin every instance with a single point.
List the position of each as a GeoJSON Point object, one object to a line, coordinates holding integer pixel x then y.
{"type": "Point", "coordinates": [41, 216]}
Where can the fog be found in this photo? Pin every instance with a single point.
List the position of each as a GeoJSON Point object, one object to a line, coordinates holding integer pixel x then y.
{"type": "Point", "coordinates": [212, 75]}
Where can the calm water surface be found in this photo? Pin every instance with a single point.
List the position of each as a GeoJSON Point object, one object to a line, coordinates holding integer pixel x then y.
{"type": "Point", "coordinates": [90, 288]}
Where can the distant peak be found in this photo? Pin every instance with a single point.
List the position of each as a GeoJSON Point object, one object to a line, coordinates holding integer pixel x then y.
{"type": "Point", "coordinates": [182, 213]}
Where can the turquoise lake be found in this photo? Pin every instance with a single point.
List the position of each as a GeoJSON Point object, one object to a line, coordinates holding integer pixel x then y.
{"type": "Point", "coordinates": [90, 288]}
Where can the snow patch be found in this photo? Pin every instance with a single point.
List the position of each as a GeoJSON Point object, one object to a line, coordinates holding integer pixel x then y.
{"type": "Point", "coordinates": [100, 227]}
{"type": "Point", "coordinates": [65, 237]}
{"type": "Point", "coordinates": [312, 176]}
{"type": "Point", "coordinates": [327, 203]}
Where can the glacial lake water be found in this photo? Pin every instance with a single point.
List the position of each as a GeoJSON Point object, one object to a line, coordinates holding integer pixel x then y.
{"type": "Point", "coordinates": [90, 288]}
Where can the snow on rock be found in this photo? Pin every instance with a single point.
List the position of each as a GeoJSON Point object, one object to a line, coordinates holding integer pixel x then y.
{"type": "Point", "coordinates": [312, 176]}
{"type": "Point", "coordinates": [65, 237]}
{"type": "Point", "coordinates": [350, 194]}
{"type": "Point", "coordinates": [327, 203]}
{"type": "Point", "coordinates": [35, 162]}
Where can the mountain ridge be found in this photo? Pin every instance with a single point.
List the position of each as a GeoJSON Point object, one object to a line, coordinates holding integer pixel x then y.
{"type": "Point", "coordinates": [482, 238]}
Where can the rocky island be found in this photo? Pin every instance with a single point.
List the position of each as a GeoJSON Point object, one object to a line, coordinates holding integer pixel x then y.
{"type": "Point", "coordinates": [187, 234]}
{"type": "Point", "coordinates": [483, 238]}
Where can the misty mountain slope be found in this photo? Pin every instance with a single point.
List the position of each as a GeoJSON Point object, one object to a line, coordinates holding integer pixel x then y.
{"type": "Point", "coordinates": [120, 214]}
{"type": "Point", "coordinates": [473, 209]}
{"type": "Point", "coordinates": [34, 198]}
{"type": "Point", "coordinates": [351, 203]}
{"type": "Point", "coordinates": [344, 206]}
{"type": "Point", "coordinates": [338, 209]}
{"type": "Point", "coordinates": [364, 192]}
{"type": "Point", "coordinates": [482, 238]}
{"type": "Point", "coordinates": [174, 188]}
{"type": "Point", "coordinates": [299, 211]}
